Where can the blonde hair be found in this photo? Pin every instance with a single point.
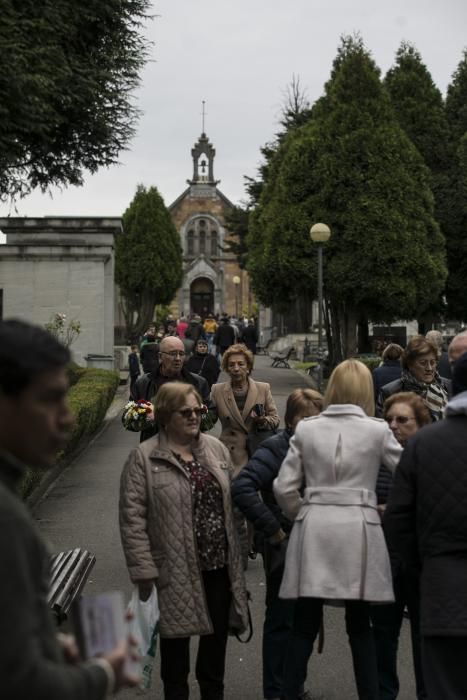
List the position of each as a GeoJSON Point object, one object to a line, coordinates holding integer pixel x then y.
{"type": "Point", "coordinates": [238, 349]}
{"type": "Point", "coordinates": [170, 398]}
{"type": "Point", "coordinates": [301, 400]}
{"type": "Point", "coordinates": [351, 382]}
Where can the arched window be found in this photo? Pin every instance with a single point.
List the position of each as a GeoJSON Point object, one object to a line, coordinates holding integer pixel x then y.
{"type": "Point", "coordinates": [213, 243]}
{"type": "Point", "coordinates": [202, 242]}
{"type": "Point", "coordinates": [190, 241]}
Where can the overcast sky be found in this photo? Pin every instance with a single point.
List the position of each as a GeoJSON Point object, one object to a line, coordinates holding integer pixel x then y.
{"type": "Point", "coordinates": [239, 57]}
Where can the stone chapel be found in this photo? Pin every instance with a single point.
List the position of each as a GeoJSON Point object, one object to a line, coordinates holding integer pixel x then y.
{"type": "Point", "coordinates": [212, 280]}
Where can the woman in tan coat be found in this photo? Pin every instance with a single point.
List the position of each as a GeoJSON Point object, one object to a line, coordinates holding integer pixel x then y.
{"type": "Point", "coordinates": [243, 405]}
{"type": "Point", "coordinates": [177, 531]}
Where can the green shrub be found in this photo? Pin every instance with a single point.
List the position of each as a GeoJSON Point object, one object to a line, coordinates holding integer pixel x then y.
{"type": "Point", "coordinates": [89, 398]}
{"type": "Point", "coordinates": [371, 362]}
{"type": "Point", "coordinates": [75, 372]}
{"type": "Point", "coordinates": [304, 365]}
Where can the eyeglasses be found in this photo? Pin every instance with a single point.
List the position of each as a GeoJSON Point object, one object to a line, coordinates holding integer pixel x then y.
{"type": "Point", "coordinates": [188, 412]}
{"type": "Point", "coordinates": [174, 353]}
{"type": "Point", "coordinates": [426, 363]}
{"type": "Point", "coordinates": [400, 420]}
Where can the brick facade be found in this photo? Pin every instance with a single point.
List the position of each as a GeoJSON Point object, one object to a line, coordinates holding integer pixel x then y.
{"type": "Point", "coordinates": [209, 271]}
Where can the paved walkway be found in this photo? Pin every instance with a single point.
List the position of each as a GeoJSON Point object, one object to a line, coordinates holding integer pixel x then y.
{"type": "Point", "coordinates": [81, 510]}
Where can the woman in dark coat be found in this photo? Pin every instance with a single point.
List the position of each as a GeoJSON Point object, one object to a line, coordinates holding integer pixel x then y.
{"type": "Point", "coordinates": [203, 363]}
{"type": "Point", "coordinates": [268, 520]}
{"type": "Point", "coordinates": [390, 368]}
{"type": "Point", "coordinates": [426, 523]}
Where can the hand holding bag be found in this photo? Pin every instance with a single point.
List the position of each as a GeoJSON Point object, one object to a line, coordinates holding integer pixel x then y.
{"type": "Point", "coordinates": [144, 627]}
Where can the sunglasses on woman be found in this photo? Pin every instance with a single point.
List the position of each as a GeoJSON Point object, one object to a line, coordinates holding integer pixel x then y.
{"type": "Point", "coordinates": [401, 420]}
{"type": "Point", "coordinates": [187, 412]}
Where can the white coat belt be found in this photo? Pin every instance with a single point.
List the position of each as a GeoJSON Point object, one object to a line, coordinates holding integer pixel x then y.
{"type": "Point", "coordinates": [339, 496]}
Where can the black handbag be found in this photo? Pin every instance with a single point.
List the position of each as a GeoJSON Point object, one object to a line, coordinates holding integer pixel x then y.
{"type": "Point", "coordinates": [256, 437]}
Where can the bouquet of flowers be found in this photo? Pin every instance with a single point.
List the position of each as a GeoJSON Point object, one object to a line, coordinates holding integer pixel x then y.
{"type": "Point", "coordinates": [138, 415]}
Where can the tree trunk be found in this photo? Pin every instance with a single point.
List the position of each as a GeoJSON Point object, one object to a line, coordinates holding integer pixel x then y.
{"type": "Point", "coordinates": [350, 332]}
{"type": "Point", "coordinates": [334, 317]}
{"type": "Point", "coordinates": [138, 313]}
{"type": "Point", "coordinates": [363, 335]}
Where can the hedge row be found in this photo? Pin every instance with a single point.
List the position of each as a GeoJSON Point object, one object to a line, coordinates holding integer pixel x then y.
{"type": "Point", "coordinates": [371, 362]}
{"type": "Point", "coordinates": [90, 395]}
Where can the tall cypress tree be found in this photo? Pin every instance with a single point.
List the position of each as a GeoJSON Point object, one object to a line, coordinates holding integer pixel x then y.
{"type": "Point", "coordinates": [455, 209]}
{"type": "Point", "coordinates": [419, 107]}
{"type": "Point", "coordinates": [420, 111]}
{"type": "Point", "coordinates": [387, 254]}
{"type": "Point", "coordinates": [148, 259]}
{"type": "Point", "coordinates": [354, 168]}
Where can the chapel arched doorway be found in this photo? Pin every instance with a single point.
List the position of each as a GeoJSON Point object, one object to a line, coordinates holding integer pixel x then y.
{"type": "Point", "coordinates": [202, 297]}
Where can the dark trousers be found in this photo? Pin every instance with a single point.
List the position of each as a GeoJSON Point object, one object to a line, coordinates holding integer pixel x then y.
{"type": "Point", "coordinates": [307, 619]}
{"type": "Point", "coordinates": [444, 660]}
{"type": "Point", "coordinates": [278, 622]}
{"type": "Point", "coordinates": [133, 378]}
{"type": "Point", "coordinates": [210, 660]}
{"type": "Point", "coordinates": [387, 622]}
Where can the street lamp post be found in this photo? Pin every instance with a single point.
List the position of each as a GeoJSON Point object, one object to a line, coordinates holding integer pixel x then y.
{"type": "Point", "coordinates": [236, 281]}
{"type": "Point", "coordinates": [320, 233]}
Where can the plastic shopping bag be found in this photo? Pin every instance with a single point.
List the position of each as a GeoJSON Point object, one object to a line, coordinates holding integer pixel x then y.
{"type": "Point", "coordinates": [144, 627]}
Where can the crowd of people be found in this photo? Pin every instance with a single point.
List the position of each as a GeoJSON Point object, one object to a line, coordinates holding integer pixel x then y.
{"type": "Point", "coordinates": [346, 509]}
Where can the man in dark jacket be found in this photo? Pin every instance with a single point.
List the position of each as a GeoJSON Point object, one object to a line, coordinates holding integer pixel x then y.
{"type": "Point", "coordinates": [171, 368]}
{"type": "Point", "coordinates": [426, 522]}
{"type": "Point", "coordinates": [390, 369]}
{"type": "Point", "coordinates": [133, 366]}
{"type": "Point", "coordinates": [225, 335]}
{"type": "Point", "coordinates": [34, 424]}
{"type": "Point", "coordinates": [249, 336]}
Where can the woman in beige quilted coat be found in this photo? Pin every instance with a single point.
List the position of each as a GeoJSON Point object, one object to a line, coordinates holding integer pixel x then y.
{"type": "Point", "coordinates": [178, 532]}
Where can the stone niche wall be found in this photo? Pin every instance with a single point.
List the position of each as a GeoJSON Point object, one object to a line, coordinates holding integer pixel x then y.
{"type": "Point", "coordinates": [62, 265]}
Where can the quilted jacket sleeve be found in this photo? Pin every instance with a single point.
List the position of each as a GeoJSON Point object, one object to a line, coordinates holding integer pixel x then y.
{"type": "Point", "coordinates": [256, 476]}
{"type": "Point", "coordinates": [289, 481]}
{"type": "Point", "coordinates": [133, 515]}
{"type": "Point", "coordinates": [400, 516]}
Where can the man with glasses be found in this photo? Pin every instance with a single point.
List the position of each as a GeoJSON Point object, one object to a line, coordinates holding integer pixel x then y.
{"type": "Point", "coordinates": [171, 368]}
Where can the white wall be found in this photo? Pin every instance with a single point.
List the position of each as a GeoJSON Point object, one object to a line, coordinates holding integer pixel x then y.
{"type": "Point", "coordinates": [34, 290]}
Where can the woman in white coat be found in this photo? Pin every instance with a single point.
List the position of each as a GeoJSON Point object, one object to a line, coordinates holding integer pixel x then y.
{"type": "Point", "coordinates": [337, 549]}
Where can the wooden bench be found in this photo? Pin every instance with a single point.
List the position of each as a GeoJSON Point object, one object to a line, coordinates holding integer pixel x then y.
{"type": "Point", "coordinates": [263, 349]}
{"type": "Point", "coordinates": [282, 359]}
{"type": "Point", "coordinates": [69, 572]}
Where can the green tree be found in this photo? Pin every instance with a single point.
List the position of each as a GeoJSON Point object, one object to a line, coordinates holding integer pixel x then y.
{"type": "Point", "coordinates": [67, 74]}
{"type": "Point", "coordinates": [237, 224]}
{"type": "Point", "coordinates": [148, 259]}
{"type": "Point", "coordinates": [354, 168]}
{"type": "Point", "coordinates": [420, 110]}
{"type": "Point", "coordinates": [455, 204]}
